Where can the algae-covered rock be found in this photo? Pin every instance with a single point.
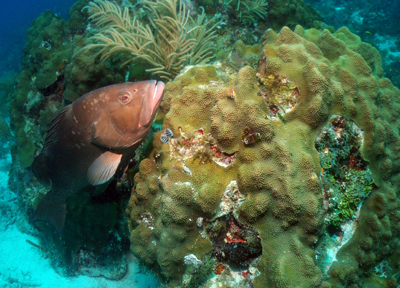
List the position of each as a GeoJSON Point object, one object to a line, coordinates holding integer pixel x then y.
{"type": "Point", "coordinates": [291, 13]}
{"type": "Point", "coordinates": [83, 76]}
{"type": "Point", "coordinates": [258, 130]}
{"type": "Point", "coordinates": [46, 48]}
{"type": "Point", "coordinates": [27, 149]}
{"type": "Point", "coordinates": [5, 133]}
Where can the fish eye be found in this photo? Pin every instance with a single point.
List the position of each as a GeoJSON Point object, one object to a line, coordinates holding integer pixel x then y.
{"type": "Point", "coordinates": [124, 98]}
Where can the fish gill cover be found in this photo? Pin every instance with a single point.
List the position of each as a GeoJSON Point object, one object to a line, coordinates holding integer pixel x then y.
{"type": "Point", "coordinates": [274, 166]}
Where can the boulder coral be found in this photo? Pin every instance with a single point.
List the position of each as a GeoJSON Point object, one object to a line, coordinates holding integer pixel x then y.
{"type": "Point", "coordinates": [227, 133]}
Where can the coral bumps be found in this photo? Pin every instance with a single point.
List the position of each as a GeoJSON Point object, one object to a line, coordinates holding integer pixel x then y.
{"type": "Point", "coordinates": [227, 131]}
{"type": "Point", "coordinates": [338, 74]}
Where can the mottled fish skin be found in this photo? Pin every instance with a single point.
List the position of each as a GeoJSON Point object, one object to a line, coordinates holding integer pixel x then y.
{"type": "Point", "coordinates": [87, 139]}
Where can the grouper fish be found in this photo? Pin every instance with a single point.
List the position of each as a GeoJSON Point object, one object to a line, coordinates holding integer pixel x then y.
{"type": "Point", "coordinates": [87, 141]}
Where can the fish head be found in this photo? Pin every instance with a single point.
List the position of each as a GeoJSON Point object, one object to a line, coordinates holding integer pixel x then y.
{"type": "Point", "coordinates": [128, 113]}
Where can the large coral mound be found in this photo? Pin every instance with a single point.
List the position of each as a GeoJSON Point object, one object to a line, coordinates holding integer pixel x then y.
{"type": "Point", "coordinates": [338, 74]}
{"type": "Point", "coordinates": [229, 130]}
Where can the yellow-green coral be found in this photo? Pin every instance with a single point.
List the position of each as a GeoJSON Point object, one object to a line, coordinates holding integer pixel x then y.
{"type": "Point", "coordinates": [278, 172]}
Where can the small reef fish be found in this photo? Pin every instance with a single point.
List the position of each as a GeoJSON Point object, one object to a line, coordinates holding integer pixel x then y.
{"type": "Point", "coordinates": [62, 66]}
{"type": "Point", "coordinates": [89, 140]}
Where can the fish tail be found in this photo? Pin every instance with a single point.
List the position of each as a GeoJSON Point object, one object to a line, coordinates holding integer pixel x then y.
{"type": "Point", "coordinates": [52, 211]}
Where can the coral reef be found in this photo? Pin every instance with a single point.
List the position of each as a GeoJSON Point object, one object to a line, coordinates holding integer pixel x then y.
{"type": "Point", "coordinates": [172, 41]}
{"type": "Point", "coordinates": [292, 13]}
{"type": "Point", "coordinates": [375, 22]}
{"type": "Point", "coordinates": [259, 130]}
{"type": "Point", "coordinates": [250, 179]}
{"type": "Point", "coordinates": [338, 74]}
{"type": "Point", "coordinates": [7, 83]}
{"type": "Point", "coordinates": [362, 17]}
{"type": "Point", "coordinates": [43, 54]}
{"type": "Point", "coordinates": [248, 12]}
{"type": "Point", "coordinates": [53, 73]}
{"type": "Point", "coordinates": [346, 178]}
{"type": "Point", "coordinates": [242, 55]}
{"type": "Point", "coordinates": [46, 48]}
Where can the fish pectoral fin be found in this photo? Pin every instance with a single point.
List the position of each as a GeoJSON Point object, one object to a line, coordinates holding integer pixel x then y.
{"type": "Point", "coordinates": [51, 211]}
{"type": "Point", "coordinates": [103, 168]}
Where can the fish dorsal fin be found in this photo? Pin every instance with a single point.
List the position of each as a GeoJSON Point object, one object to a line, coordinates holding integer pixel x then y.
{"type": "Point", "coordinates": [103, 168]}
{"type": "Point", "coordinates": [52, 134]}
{"type": "Point", "coordinates": [39, 166]}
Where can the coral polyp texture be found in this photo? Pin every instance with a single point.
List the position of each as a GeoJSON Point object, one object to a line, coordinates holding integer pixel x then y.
{"type": "Point", "coordinates": [243, 151]}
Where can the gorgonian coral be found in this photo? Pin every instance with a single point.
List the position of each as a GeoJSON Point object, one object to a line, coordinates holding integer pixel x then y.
{"type": "Point", "coordinates": [172, 40]}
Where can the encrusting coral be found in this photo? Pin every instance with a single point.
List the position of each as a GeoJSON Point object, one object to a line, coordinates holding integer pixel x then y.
{"type": "Point", "coordinates": [171, 41]}
{"type": "Point", "coordinates": [227, 133]}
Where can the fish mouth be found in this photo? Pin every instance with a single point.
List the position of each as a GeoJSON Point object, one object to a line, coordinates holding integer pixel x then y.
{"type": "Point", "coordinates": [151, 102]}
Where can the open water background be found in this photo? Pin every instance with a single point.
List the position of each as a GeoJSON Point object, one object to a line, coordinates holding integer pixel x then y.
{"type": "Point", "coordinates": [15, 18]}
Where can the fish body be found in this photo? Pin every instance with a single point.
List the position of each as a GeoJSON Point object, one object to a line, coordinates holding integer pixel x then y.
{"type": "Point", "coordinates": [87, 140]}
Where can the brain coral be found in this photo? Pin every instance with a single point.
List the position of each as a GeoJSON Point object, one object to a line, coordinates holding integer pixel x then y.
{"type": "Point", "coordinates": [227, 134]}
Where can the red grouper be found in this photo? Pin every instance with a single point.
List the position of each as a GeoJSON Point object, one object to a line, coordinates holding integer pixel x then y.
{"type": "Point", "coordinates": [87, 140]}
